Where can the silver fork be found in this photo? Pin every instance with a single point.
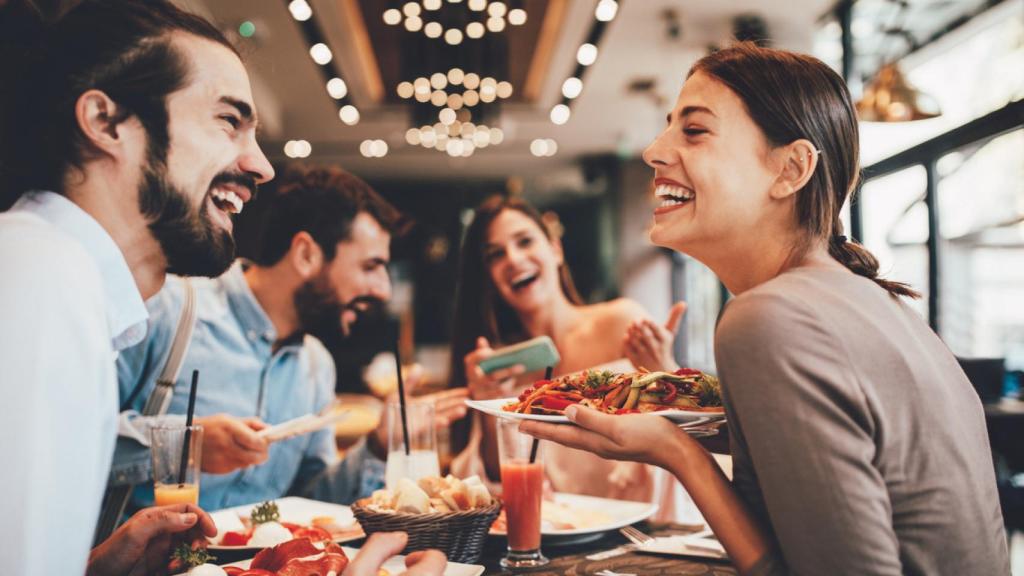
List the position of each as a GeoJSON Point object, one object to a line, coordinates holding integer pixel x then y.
{"type": "Point", "coordinates": [635, 536]}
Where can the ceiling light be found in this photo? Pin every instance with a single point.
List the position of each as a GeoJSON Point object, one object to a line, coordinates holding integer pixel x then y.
{"type": "Point", "coordinates": [455, 75]}
{"type": "Point", "coordinates": [411, 9]}
{"type": "Point", "coordinates": [366, 148]}
{"type": "Point", "coordinates": [289, 149]}
{"type": "Point", "coordinates": [438, 80]}
{"type": "Point", "coordinates": [587, 54]}
{"type": "Point", "coordinates": [337, 89]}
{"type": "Point", "coordinates": [477, 5]}
{"type": "Point", "coordinates": [414, 24]}
{"type": "Point", "coordinates": [455, 101]}
{"type": "Point", "coordinates": [432, 4]}
{"type": "Point", "coordinates": [560, 114]}
{"type": "Point", "coordinates": [481, 138]}
{"type": "Point", "coordinates": [392, 16]}
{"type": "Point", "coordinates": [303, 149]}
{"type": "Point", "coordinates": [497, 9]}
{"type": "Point", "coordinates": [467, 147]}
{"type": "Point", "coordinates": [572, 87]}
{"type": "Point", "coordinates": [552, 146]}
{"type": "Point", "coordinates": [606, 10]}
{"type": "Point", "coordinates": [349, 115]}
{"type": "Point", "coordinates": [379, 148]}
{"type": "Point", "coordinates": [475, 30]}
{"type": "Point", "coordinates": [468, 130]}
{"type": "Point", "coordinates": [412, 136]}
{"type": "Point", "coordinates": [454, 129]}
{"type": "Point", "coordinates": [470, 98]}
{"type": "Point", "coordinates": [433, 30]}
{"type": "Point", "coordinates": [422, 85]}
{"type": "Point", "coordinates": [539, 147]}
{"type": "Point", "coordinates": [438, 98]}
{"type": "Point", "coordinates": [487, 97]}
{"type": "Point", "coordinates": [300, 10]}
{"type": "Point", "coordinates": [454, 146]}
{"type": "Point", "coordinates": [423, 96]}
{"type": "Point", "coordinates": [441, 143]}
{"type": "Point", "coordinates": [517, 17]}
{"type": "Point", "coordinates": [321, 53]}
{"type": "Point", "coordinates": [471, 81]}
{"type": "Point", "coordinates": [453, 36]}
{"type": "Point", "coordinates": [446, 116]}
{"type": "Point", "coordinates": [427, 138]}
{"type": "Point", "coordinates": [497, 136]}
{"type": "Point", "coordinates": [495, 24]}
{"type": "Point", "coordinates": [504, 89]}
{"type": "Point", "coordinates": [405, 90]}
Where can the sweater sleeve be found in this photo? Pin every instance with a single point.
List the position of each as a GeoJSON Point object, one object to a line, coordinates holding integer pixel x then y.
{"type": "Point", "coordinates": [805, 439]}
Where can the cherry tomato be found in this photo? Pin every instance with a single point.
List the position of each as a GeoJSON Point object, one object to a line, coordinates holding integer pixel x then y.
{"type": "Point", "coordinates": [235, 539]}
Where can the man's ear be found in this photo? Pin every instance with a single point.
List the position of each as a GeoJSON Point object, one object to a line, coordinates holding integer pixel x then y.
{"type": "Point", "coordinates": [305, 255]}
{"type": "Point", "coordinates": [101, 120]}
{"type": "Point", "coordinates": [797, 162]}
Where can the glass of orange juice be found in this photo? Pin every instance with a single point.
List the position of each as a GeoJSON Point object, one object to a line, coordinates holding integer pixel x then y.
{"type": "Point", "coordinates": [176, 478]}
{"type": "Point", "coordinates": [522, 486]}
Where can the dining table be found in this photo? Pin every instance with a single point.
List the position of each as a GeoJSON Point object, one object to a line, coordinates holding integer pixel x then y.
{"type": "Point", "coordinates": [573, 558]}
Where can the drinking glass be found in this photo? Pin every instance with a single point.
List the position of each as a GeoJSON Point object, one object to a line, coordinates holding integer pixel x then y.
{"type": "Point", "coordinates": [421, 461]}
{"type": "Point", "coordinates": [522, 485]}
{"type": "Point", "coordinates": [176, 479]}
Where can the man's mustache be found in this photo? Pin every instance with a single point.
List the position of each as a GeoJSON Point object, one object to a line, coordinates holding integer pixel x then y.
{"type": "Point", "coordinates": [363, 304]}
{"type": "Point", "coordinates": [240, 178]}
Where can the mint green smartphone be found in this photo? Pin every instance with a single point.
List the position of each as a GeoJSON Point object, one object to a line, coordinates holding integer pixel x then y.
{"type": "Point", "coordinates": [535, 354]}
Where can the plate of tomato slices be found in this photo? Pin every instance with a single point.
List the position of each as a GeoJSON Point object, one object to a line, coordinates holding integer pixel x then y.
{"type": "Point", "coordinates": [262, 525]}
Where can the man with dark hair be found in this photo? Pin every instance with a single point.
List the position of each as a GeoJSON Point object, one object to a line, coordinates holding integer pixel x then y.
{"type": "Point", "coordinates": [135, 131]}
{"type": "Point", "coordinates": [322, 261]}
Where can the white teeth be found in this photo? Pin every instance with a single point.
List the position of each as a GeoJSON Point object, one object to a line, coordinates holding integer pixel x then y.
{"type": "Point", "coordinates": [231, 198]}
{"type": "Point", "coordinates": [664, 191]}
{"type": "Point", "coordinates": [522, 277]}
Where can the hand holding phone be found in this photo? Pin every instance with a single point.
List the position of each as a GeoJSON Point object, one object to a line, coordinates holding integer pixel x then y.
{"type": "Point", "coordinates": [534, 354]}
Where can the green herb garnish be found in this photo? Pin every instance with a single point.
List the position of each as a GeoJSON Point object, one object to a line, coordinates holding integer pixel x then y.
{"type": "Point", "coordinates": [266, 512]}
{"type": "Point", "coordinates": [598, 379]}
{"type": "Point", "coordinates": [191, 558]}
{"type": "Point", "coordinates": [709, 391]}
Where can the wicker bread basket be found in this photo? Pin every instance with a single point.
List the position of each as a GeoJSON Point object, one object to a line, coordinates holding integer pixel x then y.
{"type": "Point", "coordinates": [460, 535]}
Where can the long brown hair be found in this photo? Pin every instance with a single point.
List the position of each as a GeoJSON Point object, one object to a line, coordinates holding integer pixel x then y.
{"type": "Point", "coordinates": [792, 96]}
{"type": "Point", "coordinates": [479, 308]}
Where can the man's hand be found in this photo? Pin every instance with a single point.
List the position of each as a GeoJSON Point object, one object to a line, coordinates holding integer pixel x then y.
{"type": "Point", "coordinates": [143, 544]}
{"type": "Point", "coordinates": [230, 443]}
{"type": "Point", "coordinates": [649, 346]}
{"type": "Point", "coordinates": [383, 545]}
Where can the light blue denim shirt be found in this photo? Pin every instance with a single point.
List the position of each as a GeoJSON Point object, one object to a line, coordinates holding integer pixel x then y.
{"type": "Point", "coordinates": [242, 375]}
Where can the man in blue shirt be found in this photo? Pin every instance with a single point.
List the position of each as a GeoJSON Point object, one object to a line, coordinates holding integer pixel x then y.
{"type": "Point", "coordinates": [323, 258]}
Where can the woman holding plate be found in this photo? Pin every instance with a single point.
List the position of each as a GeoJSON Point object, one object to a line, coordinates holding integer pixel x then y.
{"type": "Point", "coordinates": [859, 446]}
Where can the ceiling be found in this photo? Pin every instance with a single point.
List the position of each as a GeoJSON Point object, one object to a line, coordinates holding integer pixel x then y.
{"type": "Point", "coordinates": [648, 46]}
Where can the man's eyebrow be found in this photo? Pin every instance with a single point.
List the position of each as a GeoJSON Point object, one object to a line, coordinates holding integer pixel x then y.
{"type": "Point", "coordinates": [243, 107]}
{"type": "Point", "coordinates": [687, 110]}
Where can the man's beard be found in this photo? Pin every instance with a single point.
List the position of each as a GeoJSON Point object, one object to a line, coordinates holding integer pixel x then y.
{"type": "Point", "coordinates": [192, 244]}
{"type": "Point", "coordinates": [320, 311]}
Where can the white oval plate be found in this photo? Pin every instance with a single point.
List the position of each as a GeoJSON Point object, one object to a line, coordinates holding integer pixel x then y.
{"type": "Point", "coordinates": [494, 408]}
{"type": "Point", "coordinates": [621, 513]}
{"type": "Point", "coordinates": [293, 509]}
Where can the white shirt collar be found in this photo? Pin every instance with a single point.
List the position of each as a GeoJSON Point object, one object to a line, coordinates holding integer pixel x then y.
{"type": "Point", "coordinates": [125, 309]}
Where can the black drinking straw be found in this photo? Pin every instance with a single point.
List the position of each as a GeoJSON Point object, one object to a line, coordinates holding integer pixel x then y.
{"type": "Point", "coordinates": [536, 443]}
{"type": "Point", "coordinates": [401, 398]}
{"type": "Point", "coordinates": [188, 427]}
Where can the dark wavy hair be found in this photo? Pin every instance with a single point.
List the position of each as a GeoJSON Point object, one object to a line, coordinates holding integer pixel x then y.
{"type": "Point", "coordinates": [121, 47]}
{"type": "Point", "coordinates": [479, 308]}
{"type": "Point", "coordinates": [792, 96]}
{"type": "Point", "coordinates": [323, 201]}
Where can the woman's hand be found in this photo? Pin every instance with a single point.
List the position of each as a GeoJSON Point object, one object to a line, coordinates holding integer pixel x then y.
{"type": "Point", "coordinates": [636, 437]}
{"type": "Point", "coordinates": [381, 546]}
{"type": "Point", "coordinates": [649, 346]}
{"type": "Point", "coordinates": [497, 384]}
